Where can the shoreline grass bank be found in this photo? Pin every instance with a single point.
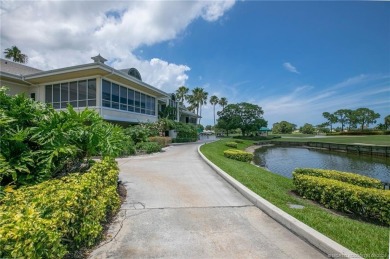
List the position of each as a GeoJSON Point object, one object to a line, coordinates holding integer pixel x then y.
{"type": "Point", "coordinates": [361, 237]}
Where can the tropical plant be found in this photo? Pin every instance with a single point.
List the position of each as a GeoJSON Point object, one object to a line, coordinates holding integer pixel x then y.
{"type": "Point", "coordinates": [15, 54]}
{"type": "Point", "coordinates": [342, 117]}
{"type": "Point", "coordinates": [223, 102]}
{"type": "Point", "coordinates": [181, 94]}
{"type": "Point", "coordinates": [214, 101]}
{"type": "Point", "coordinates": [197, 99]}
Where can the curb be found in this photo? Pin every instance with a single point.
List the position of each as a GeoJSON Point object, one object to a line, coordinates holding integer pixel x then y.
{"type": "Point", "coordinates": [310, 235]}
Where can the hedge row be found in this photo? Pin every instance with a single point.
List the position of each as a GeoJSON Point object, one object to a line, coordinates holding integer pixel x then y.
{"type": "Point", "coordinates": [368, 203]}
{"type": "Point", "coordinates": [148, 147]}
{"type": "Point", "coordinates": [163, 141]}
{"type": "Point", "coordinates": [231, 144]}
{"type": "Point", "coordinates": [364, 132]}
{"type": "Point", "coordinates": [238, 155]}
{"type": "Point", "coordinates": [184, 140]}
{"type": "Point", "coordinates": [48, 219]}
{"type": "Point", "coordinates": [360, 180]}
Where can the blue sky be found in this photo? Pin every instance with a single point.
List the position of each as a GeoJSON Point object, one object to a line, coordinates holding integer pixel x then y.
{"type": "Point", "coordinates": [294, 59]}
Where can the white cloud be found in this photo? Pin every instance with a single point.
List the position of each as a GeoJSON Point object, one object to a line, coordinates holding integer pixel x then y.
{"type": "Point", "coordinates": [290, 67]}
{"type": "Point", "coordinates": [56, 34]}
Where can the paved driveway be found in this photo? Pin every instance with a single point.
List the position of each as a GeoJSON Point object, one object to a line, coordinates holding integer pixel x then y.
{"type": "Point", "coordinates": [178, 207]}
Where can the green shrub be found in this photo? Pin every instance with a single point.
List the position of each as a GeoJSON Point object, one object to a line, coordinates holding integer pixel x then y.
{"type": "Point", "coordinates": [238, 155]}
{"type": "Point", "coordinates": [239, 141]}
{"type": "Point", "coordinates": [369, 203]}
{"type": "Point", "coordinates": [163, 141]}
{"type": "Point", "coordinates": [185, 132]}
{"type": "Point", "coordinates": [148, 147]}
{"type": "Point", "coordinates": [358, 133]}
{"type": "Point", "coordinates": [356, 179]}
{"type": "Point", "coordinates": [231, 144]}
{"type": "Point", "coordinates": [38, 143]}
{"type": "Point", "coordinates": [138, 133]}
{"type": "Point", "coordinates": [48, 219]}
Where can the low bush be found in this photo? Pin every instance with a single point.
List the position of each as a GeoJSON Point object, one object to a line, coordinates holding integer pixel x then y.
{"type": "Point", "coordinates": [184, 140]}
{"type": "Point", "coordinates": [238, 155]}
{"type": "Point", "coordinates": [48, 219]}
{"type": "Point", "coordinates": [358, 133]}
{"type": "Point", "coordinates": [231, 144]}
{"type": "Point", "coordinates": [148, 147]}
{"type": "Point", "coordinates": [356, 179]}
{"type": "Point", "coordinates": [256, 138]}
{"type": "Point", "coordinates": [369, 203]}
{"type": "Point", "coordinates": [163, 141]}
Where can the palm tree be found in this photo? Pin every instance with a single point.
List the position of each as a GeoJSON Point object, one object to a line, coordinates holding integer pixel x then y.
{"type": "Point", "coordinates": [214, 101]}
{"type": "Point", "coordinates": [181, 94]}
{"type": "Point", "coordinates": [16, 55]}
{"type": "Point", "coordinates": [197, 99]}
{"type": "Point", "coordinates": [223, 102]}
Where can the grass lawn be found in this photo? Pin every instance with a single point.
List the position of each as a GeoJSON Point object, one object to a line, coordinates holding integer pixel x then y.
{"type": "Point", "coordinates": [383, 140]}
{"type": "Point", "coordinates": [361, 237]}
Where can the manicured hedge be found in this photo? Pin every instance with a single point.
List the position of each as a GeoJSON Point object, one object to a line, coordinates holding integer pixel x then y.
{"type": "Point", "coordinates": [356, 179]}
{"type": "Point", "coordinates": [48, 219]}
{"type": "Point", "coordinates": [231, 144]}
{"type": "Point", "coordinates": [368, 203]}
{"type": "Point", "coordinates": [148, 147]}
{"type": "Point", "coordinates": [163, 141]}
{"type": "Point", "coordinates": [238, 155]}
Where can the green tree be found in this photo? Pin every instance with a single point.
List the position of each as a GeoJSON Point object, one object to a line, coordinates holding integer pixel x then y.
{"type": "Point", "coordinates": [332, 119]}
{"type": "Point", "coordinates": [181, 94]}
{"type": "Point", "coordinates": [387, 122]}
{"type": "Point", "coordinates": [307, 129]}
{"type": "Point", "coordinates": [283, 127]}
{"type": "Point", "coordinates": [245, 116]}
{"type": "Point", "coordinates": [365, 117]}
{"type": "Point", "coordinates": [214, 101]}
{"type": "Point", "coordinates": [342, 117]}
{"type": "Point", "coordinates": [197, 99]}
{"type": "Point", "coordinates": [15, 54]}
{"type": "Point", "coordinates": [223, 102]}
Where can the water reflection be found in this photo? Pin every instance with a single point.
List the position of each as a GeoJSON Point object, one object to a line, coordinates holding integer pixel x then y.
{"type": "Point", "coordinates": [283, 160]}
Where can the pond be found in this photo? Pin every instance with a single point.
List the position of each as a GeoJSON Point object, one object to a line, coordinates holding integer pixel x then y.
{"type": "Point", "coordinates": [283, 161]}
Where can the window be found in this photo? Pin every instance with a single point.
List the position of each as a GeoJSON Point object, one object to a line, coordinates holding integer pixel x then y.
{"type": "Point", "coordinates": [122, 98]}
{"type": "Point", "coordinates": [92, 92]}
{"type": "Point", "coordinates": [77, 93]}
{"type": "Point", "coordinates": [106, 93]}
{"type": "Point", "coordinates": [130, 100]}
{"type": "Point", "coordinates": [64, 95]}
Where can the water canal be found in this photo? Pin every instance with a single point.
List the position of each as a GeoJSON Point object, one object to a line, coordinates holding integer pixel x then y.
{"type": "Point", "coordinates": [283, 160]}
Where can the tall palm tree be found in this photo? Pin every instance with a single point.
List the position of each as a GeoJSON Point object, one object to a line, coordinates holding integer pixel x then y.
{"type": "Point", "coordinates": [214, 101]}
{"type": "Point", "coordinates": [197, 99]}
{"type": "Point", "coordinates": [223, 102]}
{"type": "Point", "coordinates": [16, 55]}
{"type": "Point", "coordinates": [181, 94]}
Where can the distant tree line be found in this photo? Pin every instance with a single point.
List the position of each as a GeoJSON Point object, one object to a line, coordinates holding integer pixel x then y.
{"type": "Point", "coordinates": [351, 118]}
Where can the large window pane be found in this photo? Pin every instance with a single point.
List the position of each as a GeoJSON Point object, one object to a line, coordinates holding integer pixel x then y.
{"type": "Point", "coordinates": [92, 102]}
{"type": "Point", "coordinates": [56, 93]}
{"type": "Point", "coordinates": [82, 103]}
{"type": "Point", "coordinates": [123, 95]}
{"type": "Point", "coordinates": [106, 103]}
{"type": "Point", "coordinates": [49, 94]}
{"type": "Point", "coordinates": [106, 91]}
{"type": "Point", "coordinates": [82, 90]}
{"type": "Point", "coordinates": [137, 101]}
{"type": "Point", "coordinates": [92, 89]}
{"type": "Point", "coordinates": [64, 92]}
{"type": "Point", "coordinates": [73, 91]}
{"type": "Point", "coordinates": [143, 101]}
{"type": "Point", "coordinates": [115, 93]}
{"type": "Point", "coordinates": [130, 97]}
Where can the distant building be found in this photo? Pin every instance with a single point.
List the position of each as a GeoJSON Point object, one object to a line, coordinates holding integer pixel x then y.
{"type": "Point", "coordinates": [117, 95]}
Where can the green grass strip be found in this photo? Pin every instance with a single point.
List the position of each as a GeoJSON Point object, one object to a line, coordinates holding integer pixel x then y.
{"type": "Point", "coordinates": [360, 237]}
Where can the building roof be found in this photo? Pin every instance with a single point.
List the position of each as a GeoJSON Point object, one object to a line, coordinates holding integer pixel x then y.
{"type": "Point", "coordinates": [26, 74]}
{"type": "Point", "coordinates": [264, 129]}
{"type": "Point", "coordinates": [18, 69]}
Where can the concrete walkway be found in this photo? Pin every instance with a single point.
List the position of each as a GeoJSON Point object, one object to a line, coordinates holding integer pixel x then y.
{"type": "Point", "coordinates": [178, 207]}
